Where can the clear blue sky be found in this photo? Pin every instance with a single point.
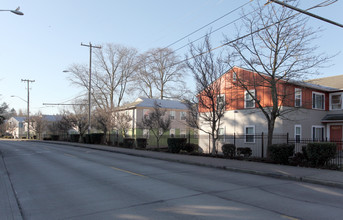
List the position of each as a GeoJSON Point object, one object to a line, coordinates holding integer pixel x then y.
{"type": "Point", "coordinates": [46, 40]}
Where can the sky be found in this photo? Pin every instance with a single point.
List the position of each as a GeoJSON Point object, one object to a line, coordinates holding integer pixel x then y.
{"type": "Point", "coordinates": [46, 40]}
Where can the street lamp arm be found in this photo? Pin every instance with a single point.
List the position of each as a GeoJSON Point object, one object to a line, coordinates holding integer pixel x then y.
{"type": "Point", "coordinates": [19, 98]}
{"type": "Point", "coordinates": [17, 12]}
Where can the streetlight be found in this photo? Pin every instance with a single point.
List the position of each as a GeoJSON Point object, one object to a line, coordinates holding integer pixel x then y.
{"type": "Point", "coordinates": [17, 12]}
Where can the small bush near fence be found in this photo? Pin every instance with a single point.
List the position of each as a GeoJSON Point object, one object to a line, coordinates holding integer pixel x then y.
{"type": "Point", "coordinates": [74, 137]}
{"type": "Point", "coordinates": [246, 151]}
{"type": "Point", "coordinates": [280, 153]}
{"type": "Point", "coordinates": [189, 147]}
{"type": "Point", "coordinates": [229, 150]}
{"type": "Point", "coordinates": [55, 137]}
{"type": "Point", "coordinates": [129, 142]}
{"type": "Point", "coordinates": [175, 145]}
{"type": "Point", "coordinates": [94, 138]}
{"type": "Point", "coordinates": [319, 154]}
{"type": "Point", "coordinates": [141, 142]}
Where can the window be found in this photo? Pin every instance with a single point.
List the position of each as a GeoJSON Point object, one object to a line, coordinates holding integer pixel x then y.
{"type": "Point", "coordinates": [249, 134]}
{"type": "Point", "coordinates": [183, 115]}
{"type": "Point", "coordinates": [336, 101]}
{"type": "Point", "coordinates": [221, 102]}
{"type": "Point", "coordinates": [183, 133]}
{"type": "Point", "coordinates": [234, 76]}
{"type": "Point", "coordinates": [318, 133]}
{"type": "Point", "coordinates": [297, 133]}
{"type": "Point", "coordinates": [221, 133]}
{"type": "Point", "coordinates": [146, 113]}
{"type": "Point", "coordinates": [297, 97]}
{"type": "Point", "coordinates": [172, 114]}
{"type": "Point", "coordinates": [172, 132]}
{"type": "Point", "coordinates": [249, 101]}
{"type": "Point", "coordinates": [146, 133]}
{"type": "Point", "coordinates": [318, 100]}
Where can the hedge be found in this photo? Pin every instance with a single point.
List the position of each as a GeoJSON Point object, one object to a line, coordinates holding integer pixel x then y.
{"type": "Point", "coordinates": [129, 142]}
{"type": "Point", "coordinates": [176, 144]}
{"type": "Point", "coordinates": [280, 153]}
{"type": "Point", "coordinates": [141, 142]}
{"type": "Point", "coordinates": [246, 151]}
{"type": "Point", "coordinates": [229, 150]}
{"type": "Point", "coordinates": [319, 154]}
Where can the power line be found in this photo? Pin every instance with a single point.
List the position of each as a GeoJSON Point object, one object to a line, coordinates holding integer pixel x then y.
{"type": "Point", "coordinates": [230, 12]}
{"type": "Point", "coordinates": [307, 13]}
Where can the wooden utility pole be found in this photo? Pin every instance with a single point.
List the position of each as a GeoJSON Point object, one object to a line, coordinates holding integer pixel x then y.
{"type": "Point", "coordinates": [90, 81]}
{"type": "Point", "coordinates": [28, 106]}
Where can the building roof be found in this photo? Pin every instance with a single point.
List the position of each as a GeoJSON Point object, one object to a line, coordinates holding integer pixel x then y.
{"type": "Point", "coordinates": [332, 118]}
{"type": "Point", "coordinates": [332, 81]}
{"type": "Point", "coordinates": [149, 103]}
{"type": "Point", "coordinates": [20, 119]}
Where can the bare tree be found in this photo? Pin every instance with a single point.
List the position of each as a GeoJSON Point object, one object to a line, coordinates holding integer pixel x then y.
{"type": "Point", "coordinates": [207, 111]}
{"type": "Point", "coordinates": [123, 122]}
{"type": "Point", "coordinates": [161, 74]}
{"type": "Point", "coordinates": [278, 49]}
{"type": "Point", "coordinates": [105, 121]}
{"type": "Point", "coordinates": [114, 66]}
{"type": "Point", "coordinates": [156, 122]}
{"type": "Point", "coordinates": [39, 125]}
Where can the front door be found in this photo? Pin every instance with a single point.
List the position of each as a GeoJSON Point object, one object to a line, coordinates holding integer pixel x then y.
{"type": "Point", "coordinates": [336, 135]}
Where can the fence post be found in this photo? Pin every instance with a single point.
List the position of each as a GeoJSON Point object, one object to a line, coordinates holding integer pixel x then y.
{"type": "Point", "coordinates": [209, 143]}
{"type": "Point", "coordinates": [287, 138]}
{"type": "Point", "coordinates": [262, 146]}
{"type": "Point", "coordinates": [189, 136]}
{"type": "Point", "coordinates": [234, 138]}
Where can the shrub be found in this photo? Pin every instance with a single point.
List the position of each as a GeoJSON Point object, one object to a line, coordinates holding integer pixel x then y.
{"type": "Point", "coordinates": [229, 150]}
{"type": "Point", "coordinates": [142, 142]}
{"type": "Point", "coordinates": [129, 142]}
{"type": "Point", "coordinates": [74, 137]}
{"type": "Point", "coordinates": [55, 137]}
{"type": "Point", "coordinates": [176, 144]}
{"type": "Point", "coordinates": [189, 147]}
{"type": "Point", "coordinates": [246, 151]}
{"type": "Point", "coordinates": [320, 153]}
{"type": "Point", "coordinates": [94, 138]}
{"type": "Point", "coordinates": [280, 153]}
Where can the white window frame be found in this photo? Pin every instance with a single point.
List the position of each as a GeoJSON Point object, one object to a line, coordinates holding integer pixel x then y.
{"type": "Point", "coordinates": [313, 133]}
{"type": "Point", "coordinates": [183, 133]}
{"type": "Point", "coordinates": [172, 132]}
{"type": "Point", "coordinates": [221, 97]}
{"type": "Point", "coordinates": [332, 94]}
{"type": "Point", "coordinates": [183, 116]}
{"type": "Point", "coordinates": [295, 133]}
{"type": "Point", "coordinates": [146, 133]}
{"type": "Point", "coordinates": [246, 135]}
{"type": "Point", "coordinates": [252, 98]}
{"type": "Point", "coordinates": [297, 97]}
{"type": "Point", "coordinates": [314, 103]}
{"type": "Point", "coordinates": [146, 113]}
{"type": "Point", "coordinates": [234, 76]}
{"type": "Point", "coordinates": [172, 115]}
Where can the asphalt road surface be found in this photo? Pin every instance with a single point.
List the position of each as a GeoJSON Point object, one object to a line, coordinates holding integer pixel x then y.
{"type": "Point", "coordinates": [64, 182]}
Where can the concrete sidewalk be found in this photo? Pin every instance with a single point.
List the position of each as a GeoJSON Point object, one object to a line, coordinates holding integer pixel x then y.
{"type": "Point", "coordinates": [303, 174]}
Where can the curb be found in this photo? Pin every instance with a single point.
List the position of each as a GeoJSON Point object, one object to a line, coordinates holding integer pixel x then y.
{"type": "Point", "coordinates": [238, 170]}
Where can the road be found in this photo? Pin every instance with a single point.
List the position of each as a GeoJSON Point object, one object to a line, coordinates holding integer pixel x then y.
{"type": "Point", "coordinates": [64, 182]}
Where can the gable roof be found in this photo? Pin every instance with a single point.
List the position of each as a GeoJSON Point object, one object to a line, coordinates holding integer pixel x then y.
{"type": "Point", "coordinates": [149, 103]}
{"type": "Point", "coordinates": [331, 81]}
{"type": "Point", "coordinates": [20, 119]}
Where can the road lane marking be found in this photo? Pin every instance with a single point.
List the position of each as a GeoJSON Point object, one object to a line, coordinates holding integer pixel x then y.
{"type": "Point", "coordinates": [69, 155]}
{"type": "Point", "coordinates": [289, 217]}
{"type": "Point", "coordinates": [126, 171]}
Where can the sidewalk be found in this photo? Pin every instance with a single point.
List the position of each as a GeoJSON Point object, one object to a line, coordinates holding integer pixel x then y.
{"type": "Point", "coordinates": [303, 174]}
{"type": "Point", "coordinates": [8, 204]}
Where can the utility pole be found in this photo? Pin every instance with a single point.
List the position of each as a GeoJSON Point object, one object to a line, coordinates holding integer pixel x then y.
{"type": "Point", "coordinates": [28, 106]}
{"type": "Point", "coordinates": [90, 81]}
